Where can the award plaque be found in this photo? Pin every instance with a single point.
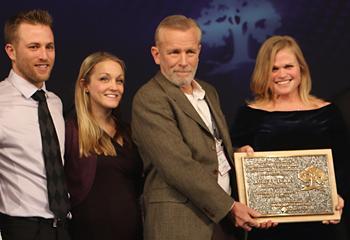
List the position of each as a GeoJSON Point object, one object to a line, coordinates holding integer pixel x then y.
{"type": "Point", "coordinates": [288, 186]}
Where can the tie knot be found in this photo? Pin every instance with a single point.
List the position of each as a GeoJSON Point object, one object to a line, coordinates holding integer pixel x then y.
{"type": "Point", "coordinates": [39, 96]}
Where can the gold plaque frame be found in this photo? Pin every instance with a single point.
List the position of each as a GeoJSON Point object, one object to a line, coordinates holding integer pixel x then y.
{"type": "Point", "coordinates": [288, 186]}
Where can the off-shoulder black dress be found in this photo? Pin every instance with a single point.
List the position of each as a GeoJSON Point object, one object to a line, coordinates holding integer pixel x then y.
{"type": "Point", "coordinates": [297, 130]}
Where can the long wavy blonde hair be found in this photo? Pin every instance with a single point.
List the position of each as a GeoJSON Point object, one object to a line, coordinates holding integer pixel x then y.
{"type": "Point", "coordinates": [92, 139]}
{"type": "Point", "coordinates": [263, 69]}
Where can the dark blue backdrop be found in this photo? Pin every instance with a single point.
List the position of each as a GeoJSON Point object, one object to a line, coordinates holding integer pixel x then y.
{"type": "Point", "coordinates": [233, 32]}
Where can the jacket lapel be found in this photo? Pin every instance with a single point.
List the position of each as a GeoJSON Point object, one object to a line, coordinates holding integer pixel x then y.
{"type": "Point", "coordinates": [219, 121]}
{"type": "Point", "coordinates": [214, 113]}
{"type": "Point", "coordinates": [181, 100]}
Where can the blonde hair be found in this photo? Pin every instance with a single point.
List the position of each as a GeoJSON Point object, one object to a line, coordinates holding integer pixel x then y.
{"type": "Point", "coordinates": [177, 22]}
{"type": "Point", "coordinates": [264, 64]}
{"type": "Point", "coordinates": [92, 139]}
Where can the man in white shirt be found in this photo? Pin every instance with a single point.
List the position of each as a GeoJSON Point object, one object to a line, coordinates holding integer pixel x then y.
{"type": "Point", "coordinates": [24, 203]}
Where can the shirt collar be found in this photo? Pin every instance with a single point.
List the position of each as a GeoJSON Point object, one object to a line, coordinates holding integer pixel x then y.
{"type": "Point", "coordinates": [23, 86]}
{"type": "Point", "coordinates": [197, 91]}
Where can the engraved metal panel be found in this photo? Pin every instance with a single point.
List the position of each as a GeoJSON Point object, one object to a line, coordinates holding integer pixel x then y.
{"type": "Point", "coordinates": [288, 185]}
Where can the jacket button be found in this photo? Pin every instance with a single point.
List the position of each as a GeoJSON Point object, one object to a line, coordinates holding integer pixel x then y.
{"type": "Point", "coordinates": [215, 172]}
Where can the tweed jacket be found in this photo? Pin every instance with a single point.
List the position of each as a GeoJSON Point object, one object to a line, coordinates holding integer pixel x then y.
{"type": "Point", "coordinates": [181, 195]}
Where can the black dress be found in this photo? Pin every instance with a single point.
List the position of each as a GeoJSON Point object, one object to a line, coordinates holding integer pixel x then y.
{"type": "Point", "coordinates": [111, 211]}
{"type": "Point", "coordinates": [296, 130]}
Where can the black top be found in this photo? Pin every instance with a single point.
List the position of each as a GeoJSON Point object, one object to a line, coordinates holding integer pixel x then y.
{"type": "Point", "coordinates": [295, 130]}
{"type": "Point", "coordinates": [111, 209]}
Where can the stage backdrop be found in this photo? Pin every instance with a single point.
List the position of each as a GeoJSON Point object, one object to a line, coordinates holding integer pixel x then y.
{"type": "Point", "coordinates": [233, 31]}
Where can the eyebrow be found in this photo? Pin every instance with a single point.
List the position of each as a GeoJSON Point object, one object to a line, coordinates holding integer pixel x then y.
{"type": "Point", "coordinates": [36, 42]}
{"type": "Point", "coordinates": [106, 73]}
{"type": "Point", "coordinates": [284, 65]}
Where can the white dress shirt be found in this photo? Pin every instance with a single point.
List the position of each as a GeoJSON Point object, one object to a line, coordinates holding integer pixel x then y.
{"type": "Point", "coordinates": [23, 190]}
{"type": "Point", "coordinates": [199, 103]}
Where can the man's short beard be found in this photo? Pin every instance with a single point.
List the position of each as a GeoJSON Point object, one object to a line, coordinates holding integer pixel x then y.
{"type": "Point", "coordinates": [182, 82]}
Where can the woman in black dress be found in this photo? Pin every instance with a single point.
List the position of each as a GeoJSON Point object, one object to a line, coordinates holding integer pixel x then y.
{"type": "Point", "coordinates": [102, 166]}
{"type": "Point", "coordinates": [284, 116]}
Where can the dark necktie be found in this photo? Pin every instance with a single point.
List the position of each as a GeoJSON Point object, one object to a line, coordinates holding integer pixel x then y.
{"type": "Point", "coordinates": [56, 185]}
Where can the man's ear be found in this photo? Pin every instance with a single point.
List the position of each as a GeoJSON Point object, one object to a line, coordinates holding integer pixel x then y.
{"type": "Point", "coordinates": [11, 52]}
{"type": "Point", "coordinates": [155, 54]}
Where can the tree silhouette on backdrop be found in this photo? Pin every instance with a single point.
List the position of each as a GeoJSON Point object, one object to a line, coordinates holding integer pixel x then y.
{"type": "Point", "coordinates": [237, 20]}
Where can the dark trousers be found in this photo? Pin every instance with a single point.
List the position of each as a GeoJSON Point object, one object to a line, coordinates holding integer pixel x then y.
{"type": "Point", "coordinates": [32, 228]}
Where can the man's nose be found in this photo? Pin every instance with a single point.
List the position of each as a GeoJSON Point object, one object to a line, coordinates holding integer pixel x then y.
{"type": "Point", "coordinates": [43, 53]}
{"type": "Point", "coordinates": [183, 59]}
